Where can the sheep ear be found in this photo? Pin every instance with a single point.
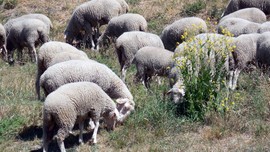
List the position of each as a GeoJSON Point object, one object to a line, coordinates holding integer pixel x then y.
{"type": "Point", "coordinates": [170, 91]}
{"type": "Point", "coordinates": [65, 36]}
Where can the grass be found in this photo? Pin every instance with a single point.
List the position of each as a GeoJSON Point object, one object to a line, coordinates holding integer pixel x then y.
{"type": "Point", "coordinates": [155, 124]}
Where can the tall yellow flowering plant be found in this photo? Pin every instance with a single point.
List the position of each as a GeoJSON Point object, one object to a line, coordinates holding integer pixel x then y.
{"type": "Point", "coordinates": [204, 68]}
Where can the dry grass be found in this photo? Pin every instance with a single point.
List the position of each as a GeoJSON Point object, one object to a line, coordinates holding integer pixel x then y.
{"type": "Point", "coordinates": [152, 127]}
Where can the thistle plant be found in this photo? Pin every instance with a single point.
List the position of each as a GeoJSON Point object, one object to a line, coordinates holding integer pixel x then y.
{"type": "Point", "coordinates": [204, 68]}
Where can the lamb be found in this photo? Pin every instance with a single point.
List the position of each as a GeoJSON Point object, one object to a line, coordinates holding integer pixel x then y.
{"type": "Point", "coordinates": [152, 61]}
{"type": "Point", "coordinates": [41, 17]}
{"type": "Point", "coordinates": [120, 24]}
{"type": "Point", "coordinates": [26, 33]}
{"type": "Point", "coordinates": [250, 14]}
{"type": "Point", "coordinates": [54, 52]}
{"type": "Point", "coordinates": [3, 39]}
{"type": "Point", "coordinates": [264, 27]}
{"type": "Point", "coordinates": [238, 26]}
{"type": "Point", "coordinates": [90, 16]}
{"type": "Point", "coordinates": [171, 35]}
{"type": "Point", "coordinates": [77, 70]}
{"type": "Point", "coordinates": [235, 5]}
{"type": "Point", "coordinates": [76, 102]}
{"type": "Point", "coordinates": [129, 43]}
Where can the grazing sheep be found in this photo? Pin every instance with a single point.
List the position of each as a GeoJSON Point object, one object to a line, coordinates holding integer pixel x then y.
{"type": "Point", "coordinates": [26, 33]}
{"type": "Point", "coordinates": [75, 102]}
{"type": "Point", "coordinates": [88, 17]}
{"type": "Point", "coordinates": [76, 70]}
{"type": "Point", "coordinates": [124, 6]}
{"type": "Point", "coordinates": [50, 53]}
{"type": "Point", "coordinates": [238, 26]}
{"type": "Point", "coordinates": [250, 14]}
{"type": "Point", "coordinates": [243, 54]}
{"type": "Point", "coordinates": [3, 41]}
{"type": "Point", "coordinates": [129, 43]}
{"type": "Point", "coordinates": [152, 61]}
{"type": "Point", "coordinates": [263, 51]}
{"type": "Point", "coordinates": [235, 5]}
{"type": "Point", "coordinates": [41, 17]}
{"type": "Point", "coordinates": [264, 27]}
{"type": "Point", "coordinates": [171, 35]}
{"type": "Point", "coordinates": [120, 24]}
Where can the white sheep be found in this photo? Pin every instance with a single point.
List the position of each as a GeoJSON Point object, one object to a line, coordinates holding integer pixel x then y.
{"type": "Point", "coordinates": [26, 33]}
{"type": "Point", "coordinates": [235, 5]}
{"type": "Point", "coordinates": [263, 51]}
{"type": "Point", "coordinates": [264, 27]}
{"type": "Point", "coordinates": [250, 14]}
{"type": "Point", "coordinates": [243, 55]}
{"type": "Point", "coordinates": [129, 43]}
{"type": "Point", "coordinates": [152, 61]}
{"type": "Point", "coordinates": [88, 17]}
{"type": "Point", "coordinates": [3, 41]}
{"type": "Point", "coordinates": [92, 71]}
{"type": "Point", "coordinates": [41, 17]}
{"type": "Point", "coordinates": [54, 52]}
{"type": "Point", "coordinates": [124, 6]}
{"type": "Point", "coordinates": [120, 24]}
{"type": "Point", "coordinates": [237, 26]}
{"type": "Point", "coordinates": [75, 102]}
{"type": "Point", "coordinates": [171, 35]}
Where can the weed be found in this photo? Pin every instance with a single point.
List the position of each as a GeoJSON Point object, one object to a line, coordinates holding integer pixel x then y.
{"type": "Point", "coordinates": [194, 8]}
{"type": "Point", "coordinates": [10, 4]}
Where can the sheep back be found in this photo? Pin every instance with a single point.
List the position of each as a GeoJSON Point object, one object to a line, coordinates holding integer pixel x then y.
{"type": "Point", "coordinates": [238, 26]}
{"type": "Point", "coordinates": [154, 60]}
{"type": "Point", "coordinates": [250, 14]}
{"type": "Point", "coordinates": [171, 35]}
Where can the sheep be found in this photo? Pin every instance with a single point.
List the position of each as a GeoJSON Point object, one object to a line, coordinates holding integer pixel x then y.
{"type": "Point", "coordinates": [171, 35]}
{"type": "Point", "coordinates": [26, 33]}
{"type": "Point", "coordinates": [41, 17]}
{"type": "Point", "coordinates": [262, 54]}
{"type": "Point", "coordinates": [250, 14]}
{"type": "Point", "coordinates": [264, 27]}
{"type": "Point", "coordinates": [75, 102]}
{"type": "Point", "coordinates": [124, 6]}
{"type": "Point", "coordinates": [88, 17]}
{"type": "Point", "coordinates": [51, 53]}
{"type": "Point", "coordinates": [120, 24]}
{"type": "Point", "coordinates": [235, 5]}
{"type": "Point", "coordinates": [76, 70]}
{"type": "Point", "coordinates": [238, 26]}
{"type": "Point", "coordinates": [243, 54]}
{"type": "Point", "coordinates": [129, 43]}
{"type": "Point", "coordinates": [201, 42]}
{"type": "Point", "coordinates": [152, 61]}
{"type": "Point", "coordinates": [3, 39]}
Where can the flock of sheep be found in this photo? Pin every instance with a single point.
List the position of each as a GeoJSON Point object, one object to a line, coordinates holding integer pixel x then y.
{"type": "Point", "coordinates": [78, 88]}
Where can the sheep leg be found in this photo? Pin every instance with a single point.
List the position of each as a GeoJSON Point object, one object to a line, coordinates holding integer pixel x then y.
{"type": "Point", "coordinates": [236, 75]}
{"type": "Point", "coordinates": [94, 136]}
{"type": "Point", "coordinates": [123, 73]}
{"type": "Point", "coordinates": [48, 126]}
{"type": "Point", "coordinates": [61, 145]}
{"type": "Point", "coordinates": [33, 53]}
{"type": "Point", "coordinates": [88, 33]}
{"type": "Point", "coordinates": [91, 124]}
{"type": "Point", "coordinates": [20, 58]}
{"type": "Point", "coordinates": [81, 126]}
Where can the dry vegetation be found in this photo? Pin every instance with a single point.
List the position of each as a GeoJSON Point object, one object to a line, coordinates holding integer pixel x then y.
{"type": "Point", "coordinates": [154, 126]}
